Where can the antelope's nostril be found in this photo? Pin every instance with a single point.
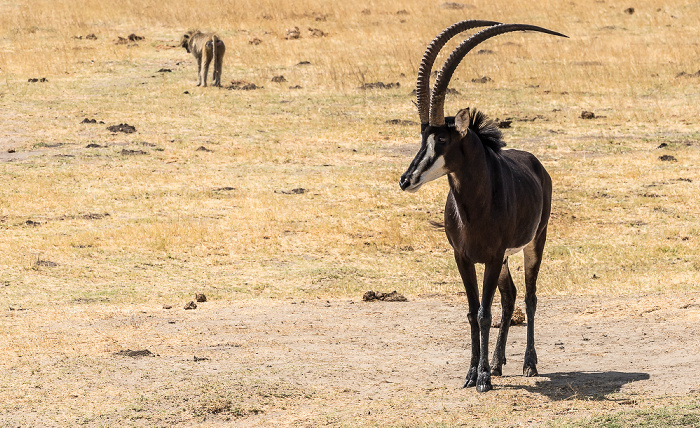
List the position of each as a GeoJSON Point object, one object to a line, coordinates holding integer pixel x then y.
{"type": "Point", "coordinates": [403, 182]}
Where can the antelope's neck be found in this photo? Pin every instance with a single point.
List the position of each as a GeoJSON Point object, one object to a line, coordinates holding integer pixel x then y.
{"type": "Point", "coordinates": [471, 182]}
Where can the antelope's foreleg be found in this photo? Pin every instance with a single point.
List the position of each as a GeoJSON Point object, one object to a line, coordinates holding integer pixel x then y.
{"type": "Point", "coordinates": [471, 286]}
{"type": "Point", "coordinates": [491, 273]}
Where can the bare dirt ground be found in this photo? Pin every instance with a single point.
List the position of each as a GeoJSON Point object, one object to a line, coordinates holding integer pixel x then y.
{"type": "Point", "coordinates": [343, 363]}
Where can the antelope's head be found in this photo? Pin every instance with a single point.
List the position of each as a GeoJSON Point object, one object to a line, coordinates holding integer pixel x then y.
{"type": "Point", "coordinates": [440, 135]}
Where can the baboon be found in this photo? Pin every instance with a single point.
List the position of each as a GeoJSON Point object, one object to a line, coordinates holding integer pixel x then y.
{"type": "Point", "coordinates": [209, 46]}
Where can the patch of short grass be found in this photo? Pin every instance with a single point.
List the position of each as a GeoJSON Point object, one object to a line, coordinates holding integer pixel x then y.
{"type": "Point", "coordinates": [679, 416]}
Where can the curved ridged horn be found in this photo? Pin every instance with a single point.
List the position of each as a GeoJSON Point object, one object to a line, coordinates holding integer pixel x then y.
{"type": "Point", "coordinates": [431, 53]}
{"type": "Point", "coordinates": [437, 101]}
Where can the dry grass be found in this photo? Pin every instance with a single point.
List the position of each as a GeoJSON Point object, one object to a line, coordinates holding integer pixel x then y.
{"type": "Point", "coordinates": [615, 204]}
{"type": "Point", "coordinates": [225, 222]}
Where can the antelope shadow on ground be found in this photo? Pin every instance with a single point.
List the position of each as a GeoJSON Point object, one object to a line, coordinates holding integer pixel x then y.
{"type": "Point", "coordinates": [582, 385]}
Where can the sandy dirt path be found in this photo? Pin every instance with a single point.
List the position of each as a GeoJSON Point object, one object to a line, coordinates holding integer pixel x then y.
{"type": "Point", "coordinates": [343, 362]}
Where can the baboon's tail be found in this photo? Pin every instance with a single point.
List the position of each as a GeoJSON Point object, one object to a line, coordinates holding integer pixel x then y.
{"type": "Point", "coordinates": [217, 66]}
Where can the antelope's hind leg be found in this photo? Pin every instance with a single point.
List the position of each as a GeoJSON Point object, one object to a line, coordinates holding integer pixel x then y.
{"type": "Point", "coordinates": [533, 259]}
{"type": "Point", "coordinates": [508, 293]}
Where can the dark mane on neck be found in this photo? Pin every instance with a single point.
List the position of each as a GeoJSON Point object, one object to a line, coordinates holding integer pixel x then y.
{"type": "Point", "coordinates": [486, 129]}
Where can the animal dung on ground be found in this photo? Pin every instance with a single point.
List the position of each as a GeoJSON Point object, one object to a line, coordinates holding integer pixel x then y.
{"type": "Point", "coordinates": [200, 297]}
{"type": "Point", "coordinates": [668, 158]}
{"type": "Point", "coordinates": [88, 37]}
{"type": "Point", "coordinates": [629, 10]}
{"type": "Point", "coordinates": [86, 120]}
{"type": "Point", "coordinates": [167, 306]}
{"type": "Point", "coordinates": [292, 33]}
{"type": "Point", "coordinates": [484, 79]}
{"type": "Point", "coordinates": [165, 70]}
{"type": "Point", "coordinates": [279, 79]}
{"type": "Point", "coordinates": [122, 127]}
{"type": "Point", "coordinates": [242, 85]}
{"type": "Point", "coordinates": [504, 124]}
{"type": "Point", "coordinates": [191, 305]}
{"type": "Point", "coordinates": [203, 149]}
{"type": "Point", "coordinates": [94, 216]}
{"type": "Point", "coordinates": [126, 40]}
{"type": "Point", "coordinates": [255, 41]}
{"type": "Point", "coordinates": [684, 74]}
{"type": "Point", "coordinates": [315, 32]}
{"type": "Point", "coordinates": [401, 122]}
{"type": "Point", "coordinates": [517, 318]}
{"type": "Point", "coordinates": [297, 191]}
{"type": "Point", "coordinates": [380, 85]}
{"type": "Point", "coordinates": [587, 115]}
{"type": "Point", "coordinates": [387, 297]}
{"type": "Point", "coordinates": [35, 80]}
{"type": "Point", "coordinates": [450, 5]}
{"type": "Point", "coordinates": [135, 354]}
{"type": "Point", "coordinates": [130, 152]}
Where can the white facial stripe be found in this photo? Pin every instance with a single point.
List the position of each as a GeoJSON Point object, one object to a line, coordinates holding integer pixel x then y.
{"type": "Point", "coordinates": [429, 153]}
{"type": "Point", "coordinates": [436, 170]}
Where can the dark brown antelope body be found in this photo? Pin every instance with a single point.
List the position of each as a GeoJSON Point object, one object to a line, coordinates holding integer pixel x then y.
{"type": "Point", "coordinates": [499, 203]}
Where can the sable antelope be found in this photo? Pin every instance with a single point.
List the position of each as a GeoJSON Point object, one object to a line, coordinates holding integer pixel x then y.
{"type": "Point", "coordinates": [499, 201]}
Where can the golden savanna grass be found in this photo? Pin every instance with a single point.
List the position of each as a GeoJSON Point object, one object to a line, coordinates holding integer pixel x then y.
{"type": "Point", "coordinates": [619, 212]}
{"type": "Point", "coordinates": [111, 228]}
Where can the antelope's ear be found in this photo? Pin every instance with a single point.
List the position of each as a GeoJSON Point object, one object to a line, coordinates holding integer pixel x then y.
{"type": "Point", "coordinates": [462, 121]}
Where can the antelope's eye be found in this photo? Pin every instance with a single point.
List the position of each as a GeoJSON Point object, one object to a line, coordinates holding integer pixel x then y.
{"type": "Point", "coordinates": [442, 140]}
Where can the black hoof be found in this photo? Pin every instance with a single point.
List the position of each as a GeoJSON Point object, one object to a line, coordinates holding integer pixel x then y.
{"type": "Point", "coordinates": [471, 379]}
{"type": "Point", "coordinates": [496, 371]}
{"type": "Point", "coordinates": [484, 383]}
{"type": "Point", "coordinates": [529, 371]}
